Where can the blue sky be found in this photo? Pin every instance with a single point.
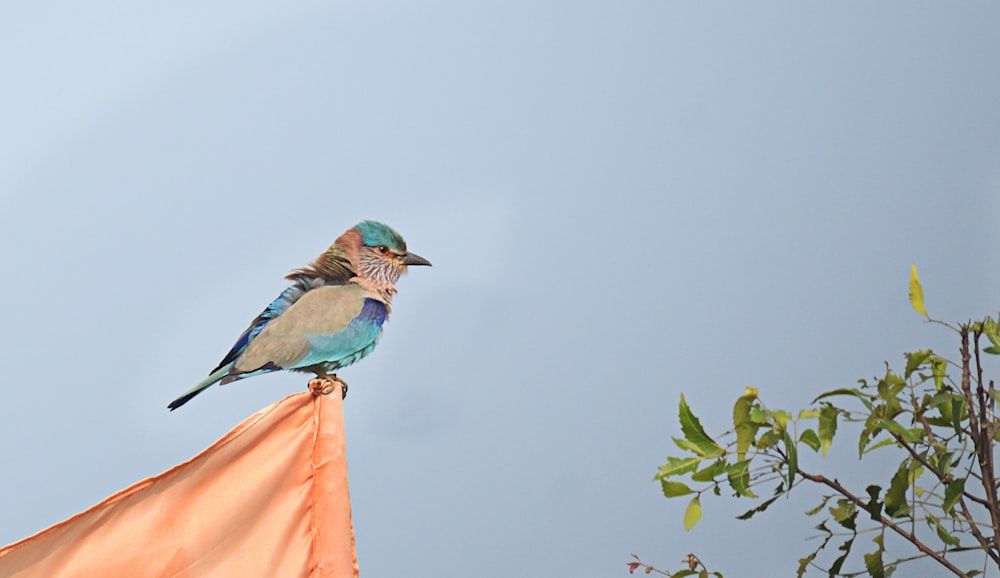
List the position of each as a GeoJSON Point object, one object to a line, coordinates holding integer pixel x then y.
{"type": "Point", "coordinates": [623, 202]}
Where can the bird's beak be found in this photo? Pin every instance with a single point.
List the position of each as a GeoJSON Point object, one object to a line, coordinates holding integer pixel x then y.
{"type": "Point", "coordinates": [414, 259]}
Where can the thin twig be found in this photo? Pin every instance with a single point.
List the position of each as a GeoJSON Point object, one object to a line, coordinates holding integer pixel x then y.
{"type": "Point", "coordinates": [633, 566]}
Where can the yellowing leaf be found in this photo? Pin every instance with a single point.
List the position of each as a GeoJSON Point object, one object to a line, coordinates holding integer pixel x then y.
{"type": "Point", "coordinates": [693, 513]}
{"type": "Point", "coordinates": [917, 292]}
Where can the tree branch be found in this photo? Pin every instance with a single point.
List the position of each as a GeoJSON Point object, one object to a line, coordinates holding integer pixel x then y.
{"type": "Point", "coordinates": [978, 535]}
{"type": "Point", "coordinates": [886, 522]}
{"type": "Point", "coordinates": [984, 434]}
{"type": "Point", "coordinates": [923, 461]}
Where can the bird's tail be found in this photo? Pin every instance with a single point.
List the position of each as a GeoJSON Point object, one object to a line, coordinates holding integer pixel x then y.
{"type": "Point", "coordinates": [204, 384]}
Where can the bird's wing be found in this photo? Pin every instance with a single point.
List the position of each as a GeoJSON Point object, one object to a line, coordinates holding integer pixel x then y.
{"type": "Point", "coordinates": [289, 296]}
{"type": "Point", "coordinates": [326, 325]}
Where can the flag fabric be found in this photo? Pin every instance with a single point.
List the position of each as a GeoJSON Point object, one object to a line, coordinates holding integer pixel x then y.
{"type": "Point", "coordinates": [270, 499]}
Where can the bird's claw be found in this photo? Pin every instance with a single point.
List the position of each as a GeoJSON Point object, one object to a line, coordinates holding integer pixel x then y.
{"type": "Point", "coordinates": [320, 386]}
{"type": "Point", "coordinates": [326, 386]}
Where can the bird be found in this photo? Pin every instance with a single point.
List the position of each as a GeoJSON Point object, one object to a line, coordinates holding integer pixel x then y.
{"type": "Point", "coordinates": [329, 317]}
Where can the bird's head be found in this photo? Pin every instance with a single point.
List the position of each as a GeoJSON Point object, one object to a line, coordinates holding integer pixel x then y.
{"type": "Point", "coordinates": [381, 252]}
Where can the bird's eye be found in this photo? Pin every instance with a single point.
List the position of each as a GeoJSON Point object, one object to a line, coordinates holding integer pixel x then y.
{"type": "Point", "coordinates": [382, 249]}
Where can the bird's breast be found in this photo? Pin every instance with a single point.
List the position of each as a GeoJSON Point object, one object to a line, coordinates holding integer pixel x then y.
{"type": "Point", "coordinates": [373, 311]}
{"type": "Point", "coordinates": [352, 342]}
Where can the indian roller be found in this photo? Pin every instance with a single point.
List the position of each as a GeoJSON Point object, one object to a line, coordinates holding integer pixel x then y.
{"type": "Point", "coordinates": [330, 317]}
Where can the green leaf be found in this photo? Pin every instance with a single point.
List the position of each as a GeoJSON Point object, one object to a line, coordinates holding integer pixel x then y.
{"type": "Point", "coordinates": [874, 506]}
{"type": "Point", "coordinates": [739, 478]}
{"type": "Point", "coordinates": [792, 454]}
{"type": "Point", "coordinates": [951, 407]}
{"type": "Point", "coordinates": [873, 561]}
{"type": "Point", "coordinates": [853, 392]}
{"type": "Point", "coordinates": [673, 489]}
{"type": "Point", "coordinates": [744, 426]}
{"type": "Point", "coordinates": [808, 414]}
{"type": "Point", "coordinates": [942, 533]}
{"type": "Point", "coordinates": [941, 461]}
{"type": "Point", "coordinates": [688, 446]}
{"type": "Point", "coordinates": [939, 368]}
{"type": "Point", "coordinates": [695, 434]}
{"type": "Point", "coordinates": [827, 427]}
{"type": "Point", "coordinates": [888, 390]}
{"type": "Point", "coordinates": [810, 438]}
{"type": "Point", "coordinates": [709, 473]}
{"type": "Point", "coordinates": [817, 509]}
{"type": "Point", "coordinates": [908, 435]}
{"type": "Point", "coordinates": [844, 513]}
{"type": "Point", "coordinates": [917, 292]}
{"type": "Point", "coordinates": [750, 513]}
{"type": "Point", "coordinates": [822, 528]}
{"type": "Point", "coordinates": [693, 513]}
{"type": "Point", "coordinates": [873, 425]}
{"type": "Point", "coordinates": [957, 413]}
{"type": "Point", "coordinates": [768, 439]}
{"type": "Point", "coordinates": [896, 505]}
{"type": "Point", "coordinates": [804, 564]}
{"type": "Point", "coordinates": [839, 562]}
{"type": "Point", "coordinates": [952, 494]}
{"type": "Point", "coordinates": [677, 467]}
{"type": "Point", "coordinates": [938, 421]}
{"type": "Point", "coordinates": [992, 331]}
{"type": "Point", "coordinates": [916, 470]}
{"type": "Point", "coordinates": [915, 360]}
{"type": "Point", "coordinates": [946, 537]}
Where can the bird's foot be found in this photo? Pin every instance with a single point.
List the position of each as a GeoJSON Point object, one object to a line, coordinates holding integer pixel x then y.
{"type": "Point", "coordinates": [326, 385]}
{"type": "Point", "coordinates": [321, 386]}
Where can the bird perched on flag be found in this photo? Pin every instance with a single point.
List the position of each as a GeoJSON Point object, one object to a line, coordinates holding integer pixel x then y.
{"type": "Point", "coordinates": [330, 317]}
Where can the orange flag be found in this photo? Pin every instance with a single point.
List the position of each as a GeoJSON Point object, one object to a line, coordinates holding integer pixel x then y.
{"type": "Point", "coordinates": [269, 498]}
